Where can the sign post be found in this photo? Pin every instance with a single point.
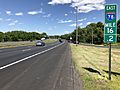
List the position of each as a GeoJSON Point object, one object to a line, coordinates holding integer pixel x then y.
{"type": "Point", "coordinates": [110, 29]}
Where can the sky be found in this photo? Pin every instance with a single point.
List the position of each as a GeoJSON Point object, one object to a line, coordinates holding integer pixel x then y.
{"type": "Point", "coordinates": [55, 17]}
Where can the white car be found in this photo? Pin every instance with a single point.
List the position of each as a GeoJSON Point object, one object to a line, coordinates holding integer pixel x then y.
{"type": "Point", "coordinates": [40, 43]}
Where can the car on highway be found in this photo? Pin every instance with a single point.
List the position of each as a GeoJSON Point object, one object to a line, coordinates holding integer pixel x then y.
{"type": "Point", "coordinates": [60, 40]}
{"type": "Point", "coordinates": [40, 43]}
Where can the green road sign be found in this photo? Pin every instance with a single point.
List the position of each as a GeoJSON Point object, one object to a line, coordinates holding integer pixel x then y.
{"type": "Point", "coordinates": [110, 27]}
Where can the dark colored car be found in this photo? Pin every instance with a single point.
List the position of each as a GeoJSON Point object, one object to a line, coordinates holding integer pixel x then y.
{"type": "Point", "coordinates": [60, 41]}
{"type": "Point", "coordinates": [40, 43]}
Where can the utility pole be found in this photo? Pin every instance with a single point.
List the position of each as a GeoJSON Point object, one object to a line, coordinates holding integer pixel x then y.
{"type": "Point", "coordinates": [76, 25]}
{"type": "Point", "coordinates": [92, 36]}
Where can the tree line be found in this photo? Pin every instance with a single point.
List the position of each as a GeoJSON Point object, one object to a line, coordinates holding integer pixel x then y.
{"type": "Point", "coordinates": [21, 36]}
{"type": "Point", "coordinates": [93, 31]}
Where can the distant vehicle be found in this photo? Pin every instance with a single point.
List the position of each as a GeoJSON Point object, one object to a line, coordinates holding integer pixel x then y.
{"type": "Point", "coordinates": [40, 43]}
{"type": "Point", "coordinates": [60, 41]}
{"type": "Point", "coordinates": [75, 42]}
{"type": "Point", "coordinates": [42, 38]}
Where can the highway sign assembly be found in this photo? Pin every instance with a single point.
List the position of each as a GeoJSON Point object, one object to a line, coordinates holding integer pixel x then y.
{"type": "Point", "coordinates": [110, 29]}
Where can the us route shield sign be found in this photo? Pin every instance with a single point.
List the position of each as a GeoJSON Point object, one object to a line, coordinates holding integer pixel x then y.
{"type": "Point", "coordinates": [110, 26]}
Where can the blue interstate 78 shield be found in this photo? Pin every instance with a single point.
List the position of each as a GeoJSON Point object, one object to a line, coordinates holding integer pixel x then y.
{"type": "Point", "coordinates": [110, 16]}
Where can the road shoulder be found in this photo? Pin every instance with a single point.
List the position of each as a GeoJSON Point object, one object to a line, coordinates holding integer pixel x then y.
{"type": "Point", "coordinates": [68, 77]}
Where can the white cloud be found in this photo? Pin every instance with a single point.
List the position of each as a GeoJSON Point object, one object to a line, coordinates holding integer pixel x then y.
{"type": "Point", "coordinates": [73, 25]}
{"type": "Point", "coordinates": [66, 14]}
{"type": "Point", "coordinates": [80, 20]}
{"type": "Point", "coordinates": [39, 31]}
{"type": "Point", "coordinates": [16, 21]}
{"type": "Point", "coordinates": [36, 12]}
{"type": "Point", "coordinates": [67, 21]}
{"type": "Point", "coordinates": [33, 12]}
{"type": "Point", "coordinates": [8, 19]}
{"type": "Point", "coordinates": [47, 16]}
{"type": "Point", "coordinates": [80, 24]}
{"type": "Point", "coordinates": [41, 11]}
{"type": "Point", "coordinates": [13, 23]}
{"type": "Point", "coordinates": [1, 19]}
{"type": "Point", "coordinates": [19, 14]}
{"type": "Point", "coordinates": [89, 23]}
{"type": "Point", "coordinates": [8, 12]}
{"type": "Point", "coordinates": [59, 2]}
{"type": "Point", "coordinates": [84, 6]}
{"type": "Point", "coordinates": [89, 7]}
{"type": "Point", "coordinates": [67, 32]}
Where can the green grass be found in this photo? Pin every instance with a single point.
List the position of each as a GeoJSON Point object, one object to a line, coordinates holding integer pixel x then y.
{"type": "Point", "coordinates": [22, 43]}
{"type": "Point", "coordinates": [90, 62]}
{"type": "Point", "coordinates": [115, 45]}
{"type": "Point", "coordinates": [50, 40]}
{"type": "Point", "coordinates": [15, 44]}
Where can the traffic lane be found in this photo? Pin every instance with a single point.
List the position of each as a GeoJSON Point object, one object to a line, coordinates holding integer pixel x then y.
{"type": "Point", "coordinates": [39, 73]}
{"type": "Point", "coordinates": [3, 50]}
{"type": "Point", "coordinates": [23, 48]}
{"type": "Point", "coordinates": [9, 57]}
{"type": "Point", "coordinates": [26, 48]}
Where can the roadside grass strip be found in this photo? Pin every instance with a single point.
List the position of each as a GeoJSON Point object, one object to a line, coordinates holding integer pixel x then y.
{"type": "Point", "coordinates": [92, 65]}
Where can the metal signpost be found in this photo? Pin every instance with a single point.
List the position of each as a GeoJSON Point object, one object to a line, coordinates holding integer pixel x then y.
{"type": "Point", "coordinates": [110, 29]}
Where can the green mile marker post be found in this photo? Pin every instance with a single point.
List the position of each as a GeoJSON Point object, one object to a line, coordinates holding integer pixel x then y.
{"type": "Point", "coordinates": [110, 29]}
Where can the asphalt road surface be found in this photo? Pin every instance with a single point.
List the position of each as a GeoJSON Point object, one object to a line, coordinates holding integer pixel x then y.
{"type": "Point", "coordinates": [38, 68]}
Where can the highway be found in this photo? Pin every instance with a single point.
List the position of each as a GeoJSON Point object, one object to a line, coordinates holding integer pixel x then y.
{"type": "Point", "coordinates": [8, 55]}
{"type": "Point", "coordinates": [38, 68]}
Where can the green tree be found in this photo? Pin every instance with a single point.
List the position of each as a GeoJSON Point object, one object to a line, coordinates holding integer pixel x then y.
{"type": "Point", "coordinates": [118, 26]}
{"type": "Point", "coordinates": [1, 36]}
{"type": "Point", "coordinates": [118, 30]}
{"type": "Point", "coordinates": [21, 36]}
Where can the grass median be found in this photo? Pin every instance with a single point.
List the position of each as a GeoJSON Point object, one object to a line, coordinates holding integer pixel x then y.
{"type": "Point", "coordinates": [23, 43]}
{"type": "Point", "coordinates": [92, 65]}
{"type": "Point", "coordinates": [50, 40]}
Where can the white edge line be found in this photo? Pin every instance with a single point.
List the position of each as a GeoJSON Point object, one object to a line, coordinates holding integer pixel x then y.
{"type": "Point", "coordinates": [3, 67]}
{"type": "Point", "coordinates": [26, 50]}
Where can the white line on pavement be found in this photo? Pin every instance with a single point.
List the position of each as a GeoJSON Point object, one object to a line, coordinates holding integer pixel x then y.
{"type": "Point", "coordinates": [3, 67]}
{"type": "Point", "coordinates": [26, 50]}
